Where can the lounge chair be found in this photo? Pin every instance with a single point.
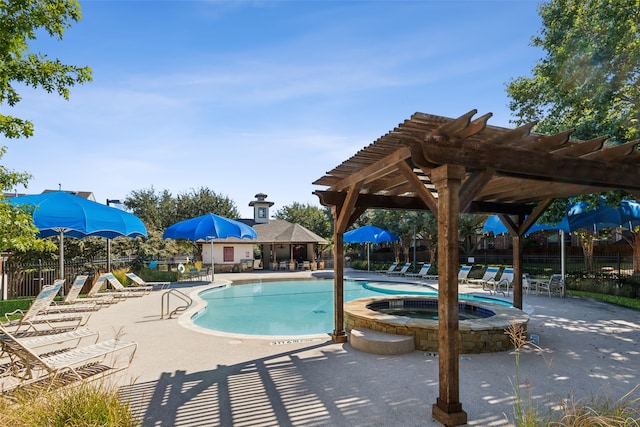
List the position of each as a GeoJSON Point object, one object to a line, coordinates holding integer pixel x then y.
{"type": "Point", "coordinates": [554, 284]}
{"type": "Point", "coordinates": [102, 281]}
{"type": "Point", "coordinates": [487, 279]}
{"type": "Point", "coordinates": [257, 264]}
{"type": "Point", "coordinates": [141, 283]}
{"type": "Point", "coordinates": [463, 274]}
{"type": "Point", "coordinates": [61, 367]}
{"type": "Point", "coordinates": [36, 315]}
{"type": "Point", "coordinates": [402, 271]}
{"type": "Point", "coordinates": [503, 284]}
{"type": "Point", "coordinates": [45, 344]}
{"type": "Point", "coordinates": [71, 301]}
{"type": "Point", "coordinates": [423, 273]}
{"type": "Point", "coordinates": [391, 268]}
{"type": "Point", "coordinates": [119, 287]}
{"type": "Point", "coordinates": [102, 298]}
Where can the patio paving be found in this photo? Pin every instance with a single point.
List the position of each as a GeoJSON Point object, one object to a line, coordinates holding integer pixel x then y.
{"type": "Point", "coordinates": [181, 376]}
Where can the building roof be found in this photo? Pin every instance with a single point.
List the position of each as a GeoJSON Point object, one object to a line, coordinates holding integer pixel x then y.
{"type": "Point", "coordinates": [278, 231]}
{"type": "Point", "coordinates": [281, 231]}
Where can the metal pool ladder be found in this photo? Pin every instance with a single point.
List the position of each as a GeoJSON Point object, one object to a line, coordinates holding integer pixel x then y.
{"type": "Point", "coordinates": [179, 309]}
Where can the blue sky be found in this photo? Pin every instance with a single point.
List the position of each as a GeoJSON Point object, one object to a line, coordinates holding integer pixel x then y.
{"type": "Point", "coordinates": [250, 97]}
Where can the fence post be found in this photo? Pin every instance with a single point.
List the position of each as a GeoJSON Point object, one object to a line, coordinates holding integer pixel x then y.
{"type": "Point", "coordinates": [619, 269]}
{"type": "Point", "coordinates": [4, 282]}
{"type": "Point", "coordinates": [39, 275]}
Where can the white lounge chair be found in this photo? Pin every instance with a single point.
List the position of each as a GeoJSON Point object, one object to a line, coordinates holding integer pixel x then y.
{"type": "Point", "coordinates": [36, 316]}
{"type": "Point", "coordinates": [118, 291]}
{"type": "Point", "coordinates": [71, 301]}
{"type": "Point", "coordinates": [45, 344]}
{"type": "Point", "coordinates": [423, 270]}
{"type": "Point", "coordinates": [142, 284]}
{"type": "Point", "coordinates": [504, 284]}
{"type": "Point", "coordinates": [87, 362]}
{"type": "Point", "coordinates": [464, 273]}
{"type": "Point", "coordinates": [402, 271]}
{"type": "Point", "coordinates": [391, 268]}
{"type": "Point", "coordinates": [423, 273]}
{"type": "Point", "coordinates": [487, 279]}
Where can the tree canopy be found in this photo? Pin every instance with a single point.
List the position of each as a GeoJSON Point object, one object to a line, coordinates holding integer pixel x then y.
{"type": "Point", "coordinates": [311, 217]}
{"type": "Point", "coordinates": [589, 77]}
{"type": "Point", "coordinates": [20, 23]}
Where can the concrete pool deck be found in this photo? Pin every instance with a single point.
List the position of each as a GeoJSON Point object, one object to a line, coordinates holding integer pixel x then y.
{"type": "Point", "coordinates": [183, 377]}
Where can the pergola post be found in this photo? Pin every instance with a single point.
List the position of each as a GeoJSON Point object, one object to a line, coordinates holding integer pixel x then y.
{"type": "Point", "coordinates": [448, 409]}
{"type": "Point", "coordinates": [518, 261]}
{"type": "Point", "coordinates": [339, 335]}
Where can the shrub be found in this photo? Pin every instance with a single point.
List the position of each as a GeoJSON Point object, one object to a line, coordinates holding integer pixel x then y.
{"type": "Point", "coordinates": [153, 275]}
{"type": "Point", "coordinates": [11, 305]}
{"type": "Point", "coordinates": [85, 404]}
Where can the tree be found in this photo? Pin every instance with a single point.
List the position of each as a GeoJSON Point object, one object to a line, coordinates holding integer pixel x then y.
{"type": "Point", "coordinates": [589, 79]}
{"type": "Point", "coordinates": [203, 201]}
{"type": "Point", "coordinates": [468, 227]}
{"type": "Point", "coordinates": [159, 210]}
{"type": "Point", "coordinates": [590, 76]}
{"type": "Point", "coordinates": [156, 211]}
{"type": "Point", "coordinates": [311, 217]}
{"type": "Point", "coordinates": [20, 23]}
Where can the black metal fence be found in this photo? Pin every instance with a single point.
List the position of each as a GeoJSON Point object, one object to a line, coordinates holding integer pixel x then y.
{"type": "Point", "coordinates": [25, 280]}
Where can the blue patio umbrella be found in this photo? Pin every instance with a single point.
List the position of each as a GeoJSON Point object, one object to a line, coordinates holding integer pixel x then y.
{"type": "Point", "coordinates": [627, 215]}
{"type": "Point", "coordinates": [209, 227]}
{"type": "Point", "coordinates": [581, 216]}
{"type": "Point", "coordinates": [59, 213]}
{"type": "Point", "coordinates": [369, 234]}
{"type": "Point", "coordinates": [494, 225]}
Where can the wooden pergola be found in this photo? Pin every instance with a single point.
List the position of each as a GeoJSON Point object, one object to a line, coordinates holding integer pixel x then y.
{"type": "Point", "coordinates": [450, 166]}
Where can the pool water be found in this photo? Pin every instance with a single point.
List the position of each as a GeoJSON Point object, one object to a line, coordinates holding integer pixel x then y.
{"type": "Point", "coordinates": [429, 313]}
{"type": "Point", "coordinates": [278, 308]}
{"type": "Point", "coordinates": [303, 307]}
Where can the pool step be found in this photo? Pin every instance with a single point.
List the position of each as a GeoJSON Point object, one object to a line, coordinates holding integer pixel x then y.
{"type": "Point", "coordinates": [370, 341]}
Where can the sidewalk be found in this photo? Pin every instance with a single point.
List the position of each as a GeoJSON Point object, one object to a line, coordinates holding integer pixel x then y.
{"type": "Point", "coordinates": [183, 377]}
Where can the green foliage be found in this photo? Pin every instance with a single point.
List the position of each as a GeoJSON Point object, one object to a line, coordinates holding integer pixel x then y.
{"type": "Point", "coordinates": [468, 226]}
{"type": "Point", "coordinates": [589, 77]}
{"type": "Point", "coordinates": [311, 217]}
{"type": "Point", "coordinates": [153, 275]}
{"type": "Point", "coordinates": [17, 231]}
{"type": "Point", "coordinates": [161, 210]}
{"type": "Point", "coordinates": [121, 275]}
{"type": "Point", "coordinates": [203, 201]}
{"type": "Point", "coordinates": [85, 404]}
{"type": "Point", "coordinates": [614, 299]}
{"type": "Point", "coordinates": [8, 306]}
{"type": "Point", "coordinates": [157, 211]}
{"type": "Point", "coordinates": [20, 23]}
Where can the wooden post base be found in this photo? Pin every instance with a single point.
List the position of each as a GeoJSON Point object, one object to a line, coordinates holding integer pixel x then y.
{"type": "Point", "coordinates": [449, 419]}
{"type": "Point", "coordinates": [339, 337]}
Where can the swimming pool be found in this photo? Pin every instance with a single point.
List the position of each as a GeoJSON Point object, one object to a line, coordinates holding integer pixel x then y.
{"type": "Point", "coordinates": [282, 308]}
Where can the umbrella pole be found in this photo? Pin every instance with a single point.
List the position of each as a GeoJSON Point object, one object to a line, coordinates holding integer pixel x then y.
{"type": "Point", "coordinates": [212, 258]}
{"type": "Point", "coordinates": [368, 246]}
{"type": "Point", "coordinates": [563, 257]}
{"type": "Point", "coordinates": [62, 255]}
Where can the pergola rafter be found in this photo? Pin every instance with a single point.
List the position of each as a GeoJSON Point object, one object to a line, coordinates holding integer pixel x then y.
{"type": "Point", "coordinates": [453, 165]}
